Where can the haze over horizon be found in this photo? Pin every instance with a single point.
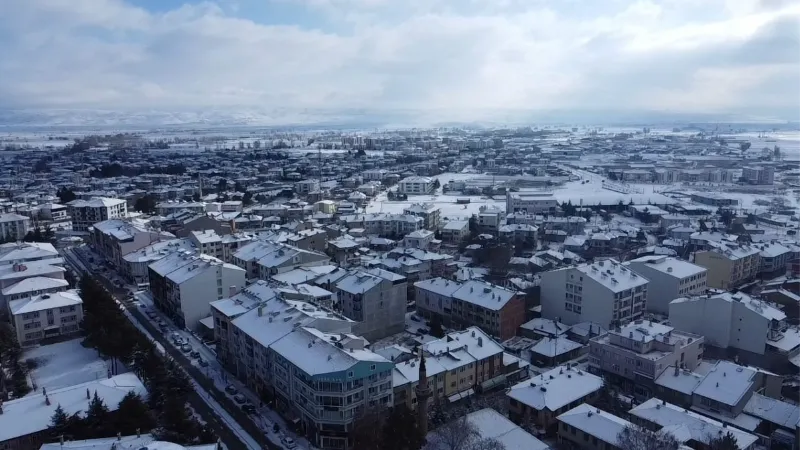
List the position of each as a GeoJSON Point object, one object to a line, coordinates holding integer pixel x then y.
{"type": "Point", "coordinates": [267, 61]}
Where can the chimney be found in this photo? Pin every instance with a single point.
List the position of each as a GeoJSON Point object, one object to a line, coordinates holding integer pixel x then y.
{"type": "Point", "coordinates": [88, 396]}
{"type": "Point", "coordinates": [233, 226]}
{"type": "Point", "coordinates": [260, 310]}
{"type": "Point", "coordinates": [119, 436]}
{"type": "Point", "coordinates": [47, 400]}
{"type": "Point", "coordinates": [676, 369]}
{"type": "Point", "coordinates": [138, 432]}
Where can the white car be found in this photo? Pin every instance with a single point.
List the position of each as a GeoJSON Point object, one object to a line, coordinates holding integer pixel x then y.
{"type": "Point", "coordinates": [288, 442]}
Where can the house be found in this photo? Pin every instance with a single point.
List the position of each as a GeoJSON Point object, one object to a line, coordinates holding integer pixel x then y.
{"type": "Point", "coordinates": [669, 278]}
{"type": "Point", "coordinates": [588, 428]}
{"type": "Point", "coordinates": [538, 401]}
{"type": "Point", "coordinates": [46, 316]}
{"type": "Point", "coordinates": [618, 294]}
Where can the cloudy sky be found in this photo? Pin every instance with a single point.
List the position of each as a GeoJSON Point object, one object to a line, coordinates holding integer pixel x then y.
{"type": "Point", "coordinates": [717, 56]}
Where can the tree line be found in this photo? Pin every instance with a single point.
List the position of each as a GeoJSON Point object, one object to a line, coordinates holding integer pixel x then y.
{"type": "Point", "coordinates": [165, 414]}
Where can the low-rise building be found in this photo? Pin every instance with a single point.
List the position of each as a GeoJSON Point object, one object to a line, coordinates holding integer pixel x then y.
{"type": "Point", "coordinates": [46, 316]}
{"type": "Point", "coordinates": [455, 231]}
{"type": "Point", "coordinates": [729, 265]}
{"type": "Point", "coordinates": [669, 278]}
{"type": "Point", "coordinates": [530, 203]}
{"type": "Point", "coordinates": [538, 401]}
{"type": "Point", "coordinates": [588, 428]}
{"type": "Point", "coordinates": [14, 226]}
{"type": "Point", "coordinates": [430, 213]}
{"type": "Point", "coordinates": [418, 239]}
{"type": "Point", "coordinates": [416, 185]}
{"type": "Point", "coordinates": [207, 242]}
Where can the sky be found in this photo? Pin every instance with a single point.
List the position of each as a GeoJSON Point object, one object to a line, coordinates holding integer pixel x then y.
{"type": "Point", "coordinates": [460, 58]}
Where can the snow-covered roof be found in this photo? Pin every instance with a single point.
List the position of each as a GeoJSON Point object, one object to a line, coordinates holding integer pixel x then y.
{"type": "Point", "coordinates": [484, 294]}
{"type": "Point", "coordinates": [613, 275]}
{"type": "Point", "coordinates": [684, 381]}
{"type": "Point", "coordinates": [686, 425]}
{"type": "Point", "coordinates": [595, 422]}
{"type": "Point", "coordinates": [26, 251]}
{"type": "Point", "coordinates": [733, 251]}
{"type": "Point", "coordinates": [29, 269]}
{"type": "Point", "coordinates": [473, 341]}
{"type": "Point", "coordinates": [440, 286]}
{"type": "Point", "coordinates": [551, 347]}
{"type": "Point", "coordinates": [34, 284]}
{"type": "Point", "coordinates": [44, 302]}
{"type": "Point", "coordinates": [764, 309]}
{"type": "Point", "coordinates": [31, 414]}
{"type": "Point", "coordinates": [555, 388]}
{"type": "Point", "coordinates": [783, 414]}
{"type": "Point", "coordinates": [206, 236]}
{"type": "Point", "coordinates": [490, 424]}
{"type": "Point", "coordinates": [245, 300]}
{"type": "Point", "coordinates": [118, 229]}
{"type": "Point", "coordinates": [159, 250]}
{"type": "Point", "coordinates": [180, 267]}
{"type": "Point", "coordinates": [96, 202]}
{"type": "Point", "coordinates": [675, 267]}
{"type": "Point", "coordinates": [547, 327]}
{"type": "Point", "coordinates": [726, 383]}
{"type": "Point", "coordinates": [124, 443]}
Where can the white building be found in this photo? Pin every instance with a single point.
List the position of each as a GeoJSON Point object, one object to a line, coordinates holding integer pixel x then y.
{"type": "Point", "coordinates": [418, 239]}
{"type": "Point", "coordinates": [23, 252]}
{"type": "Point", "coordinates": [670, 278]}
{"type": "Point", "coordinates": [306, 186]}
{"type": "Point", "coordinates": [729, 265]}
{"type": "Point", "coordinates": [208, 242]}
{"type": "Point", "coordinates": [136, 442]}
{"type": "Point", "coordinates": [135, 264]}
{"type": "Point", "coordinates": [183, 285]}
{"type": "Point", "coordinates": [530, 203]}
{"type": "Point", "coordinates": [455, 231]}
{"type": "Point", "coordinates": [46, 316]}
{"type": "Point", "coordinates": [416, 186]}
{"type": "Point", "coordinates": [115, 238]}
{"type": "Point", "coordinates": [86, 213]}
{"type": "Point", "coordinates": [14, 226]}
{"type": "Point", "coordinates": [756, 329]}
{"type": "Point", "coordinates": [13, 274]}
{"type": "Point", "coordinates": [612, 293]}
{"type": "Point", "coordinates": [30, 287]}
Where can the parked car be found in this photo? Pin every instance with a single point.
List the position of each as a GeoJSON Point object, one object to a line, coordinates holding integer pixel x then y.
{"type": "Point", "coordinates": [231, 390]}
{"type": "Point", "coordinates": [288, 442]}
{"type": "Point", "coordinates": [248, 408]}
{"type": "Point", "coordinates": [239, 398]}
{"type": "Point", "coordinates": [202, 362]}
{"type": "Point", "coordinates": [186, 348]}
{"type": "Point", "coordinates": [195, 354]}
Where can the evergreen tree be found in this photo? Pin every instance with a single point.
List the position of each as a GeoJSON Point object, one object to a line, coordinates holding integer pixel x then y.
{"type": "Point", "coordinates": [176, 424]}
{"type": "Point", "coordinates": [132, 414]}
{"type": "Point", "coordinates": [436, 329]}
{"type": "Point", "coordinates": [97, 417]}
{"type": "Point", "coordinates": [400, 431]}
{"type": "Point", "coordinates": [59, 423]}
{"type": "Point", "coordinates": [726, 442]}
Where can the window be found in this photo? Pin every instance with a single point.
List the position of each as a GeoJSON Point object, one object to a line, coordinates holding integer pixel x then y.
{"type": "Point", "coordinates": [350, 374]}
{"type": "Point", "coordinates": [372, 367]}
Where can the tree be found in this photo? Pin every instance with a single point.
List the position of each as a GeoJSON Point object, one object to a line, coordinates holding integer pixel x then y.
{"type": "Point", "coordinates": [636, 438]}
{"type": "Point", "coordinates": [97, 417]}
{"type": "Point", "coordinates": [132, 414]}
{"type": "Point", "coordinates": [436, 184]}
{"type": "Point", "coordinates": [726, 216]}
{"type": "Point", "coordinates": [436, 329]}
{"type": "Point", "coordinates": [247, 198]}
{"type": "Point", "coordinates": [222, 185]}
{"type": "Point", "coordinates": [196, 197]}
{"type": "Point", "coordinates": [367, 429]}
{"type": "Point", "coordinates": [461, 434]}
{"type": "Point", "coordinates": [612, 176]}
{"type": "Point", "coordinates": [65, 195]}
{"type": "Point", "coordinates": [724, 442]}
{"type": "Point", "coordinates": [145, 204]}
{"type": "Point", "coordinates": [400, 431]}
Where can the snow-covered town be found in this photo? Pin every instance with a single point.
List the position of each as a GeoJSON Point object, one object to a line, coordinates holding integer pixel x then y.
{"type": "Point", "coordinates": [542, 287]}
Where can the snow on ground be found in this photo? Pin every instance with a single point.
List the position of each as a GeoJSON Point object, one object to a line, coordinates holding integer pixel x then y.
{"type": "Point", "coordinates": [64, 364]}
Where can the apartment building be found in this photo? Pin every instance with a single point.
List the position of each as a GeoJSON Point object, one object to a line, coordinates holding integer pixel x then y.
{"type": "Point", "coordinates": [86, 213]}
{"type": "Point", "coordinates": [208, 242]}
{"type": "Point", "coordinates": [489, 219]}
{"type": "Point", "coordinates": [46, 316]}
{"type": "Point", "coordinates": [418, 239]}
{"type": "Point", "coordinates": [14, 226]}
{"type": "Point", "coordinates": [758, 174]}
{"type": "Point", "coordinates": [30, 287]}
{"type": "Point", "coordinates": [23, 252]}
{"type": "Point", "coordinates": [306, 358]}
{"type": "Point", "coordinates": [636, 354]}
{"type": "Point", "coordinates": [585, 427]}
{"type": "Point", "coordinates": [669, 278]}
{"type": "Point", "coordinates": [496, 310]}
{"type": "Point", "coordinates": [113, 239]}
{"type": "Point", "coordinates": [416, 186]}
{"type": "Point", "coordinates": [455, 231]}
{"type": "Point", "coordinates": [11, 275]}
{"type": "Point", "coordinates": [457, 365]}
{"type": "Point", "coordinates": [25, 421]}
{"type": "Point", "coordinates": [306, 187]}
{"type": "Point", "coordinates": [519, 233]}
{"type": "Point", "coordinates": [688, 427]}
{"type": "Point", "coordinates": [538, 401]}
{"type": "Point", "coordinates": [167, 208]}
{"type": "Point", "coordinates": [618, 294]}
{"type": "Point", "coordinates": [261, 259]}
{"type": "Point", "coordinates": [392, 225]}
{"type": "Point", "coordinates": [184, 283]}
{"type": "Point", "coordinates": [431, 215]}
{"type": "Point", "coordinates": [774, 258]}
{"type": "Point", "coordinates": [530, 203]}
{"type": "Point", "coordinates": [729, 265]}
{"type": "Point", "coordinates": [231, 243]}
{"type": "Point", "coordinates": [756, 330]}
{"type": "Point", "coordinates": [135, 265]}
{"type": "Point", "coordinates": [375, 299]}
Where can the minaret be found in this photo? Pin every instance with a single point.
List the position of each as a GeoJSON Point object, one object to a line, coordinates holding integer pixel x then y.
{"type": "Point", "coordinates": [423, 392]}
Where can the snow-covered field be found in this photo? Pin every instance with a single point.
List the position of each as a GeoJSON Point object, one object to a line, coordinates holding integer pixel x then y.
{"type": "Point", "coordinates": [64, 364]}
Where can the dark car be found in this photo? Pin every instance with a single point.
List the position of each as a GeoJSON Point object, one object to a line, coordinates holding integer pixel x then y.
{"type": "Point", "coordinates": [248, 408]}
{"type": "Point", "coordinates": [231, 390]}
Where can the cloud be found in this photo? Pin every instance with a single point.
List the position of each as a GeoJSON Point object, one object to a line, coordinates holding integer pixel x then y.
{"type": "Point", "coordinates": [461, 58]}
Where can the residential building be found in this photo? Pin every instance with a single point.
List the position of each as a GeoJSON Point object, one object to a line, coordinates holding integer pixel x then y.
{"type": "Point", "coordinates": [306, 187]}
{"type": "Point", "coordinates": [538, 401]}
{"type": "Point", "coordinates": [113, 239]}
{"type": "Point", "coordinates": [455, 231]}
{"type": "Point", "coordinates": [758, 174]}
{"type": "Point", "coordinates": [774, 259]}
{"type": "Point", "coordinates": [375, 299]}
{"type": "Point", "coordinates": [231, 243]}
{"type": "Point", "coordinates": [12, 274]}
{"type": "Point", "coordinates": [418, 239]}
{"type": "Point", "coordinates": [23, 252]}
{"type": "Point", "coordinates": [208, 242]}
{"type": "Point", "coordinates": [689, 428]}
{"type": "Point", "coordinates": [636, 354]}
{"type": "Point", "coordinates": [669, 278]}
{"type": "Point", "coordinates": [430, 213]}
{"type": "Point", "coordinates": [496, 310]}
{"type": "Point", "coordinates": [530, 203]}
{"type": "Point", "coordinates": [416, 186]}
{"type": "Point", "coordinates": [14, 226]}
{"type": "Point", "coordinates": [30, 287]}
{"type": "Point", "coordinates": [261, 259]}
{"type": "Point", "coordinates": [519, 233]}
{"type": "Point", "coordinates": [306, 358]}
{"type": "Point", "coordinates": [136, 442]}
{"type": "Point", "coordinates": [86, 213]}
{"type": "Point", "coordinates": [183, 284]}
{"type": "Point", "coordinates": [585, 427]}
{"type": "Point", "coordinates": [135, 265]}
{"type": "Point", "coordinates": [491, 425]}
{"type": "Point", "coordinates": [729, 265]}
{"type": "Point", "coordinates": [25, 422]}
{"type": "Point", "coordinates": [489, 219]}
{"type": "Point", "coordinates": [46, 316]}
{"type": "Point", "coordinates": [755, 330]}
{"type": "Point", "coordinates": [618, 294]}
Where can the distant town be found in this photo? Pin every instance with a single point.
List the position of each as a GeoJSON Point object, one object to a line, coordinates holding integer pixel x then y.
{"type": "Point", "coordinates": [532, 288]}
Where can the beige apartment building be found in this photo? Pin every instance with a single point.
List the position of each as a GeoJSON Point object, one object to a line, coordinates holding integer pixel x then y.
{"type": "Point", "coordinates": [729, 265]}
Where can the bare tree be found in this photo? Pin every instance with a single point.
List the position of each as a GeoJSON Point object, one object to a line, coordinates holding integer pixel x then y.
{"type": "Point", "coordinates": [637, 438]}
{"type": "Point", "coordinates": [461, 434]}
